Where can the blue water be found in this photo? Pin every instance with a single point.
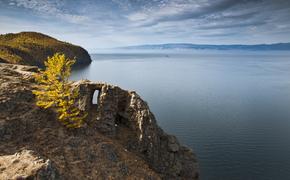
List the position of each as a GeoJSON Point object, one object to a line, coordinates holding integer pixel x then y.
{"type": "Point", "coordinates": [232, 108]}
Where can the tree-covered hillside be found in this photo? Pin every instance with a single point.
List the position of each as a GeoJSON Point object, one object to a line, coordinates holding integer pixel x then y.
{"type": "Point", "coordinates": [32, 48]}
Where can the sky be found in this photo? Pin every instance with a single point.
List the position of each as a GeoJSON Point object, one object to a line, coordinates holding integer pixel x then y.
{"type": "Point", "coordinates": [95, 24]}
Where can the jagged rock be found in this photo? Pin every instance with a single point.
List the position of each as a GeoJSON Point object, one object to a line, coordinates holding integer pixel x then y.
{"type": "Point", "coordinates": [173, 144]}
{"type": "Point", "coordinates": [25, 165]}
{"type": "Point", "coordinates": [136, 128]}
{"type": "Point", "coordinates": [120, 140]}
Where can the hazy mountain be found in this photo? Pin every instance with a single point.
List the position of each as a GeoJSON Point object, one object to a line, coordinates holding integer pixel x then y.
{"type": "Point", "coordinates": [277, 46]}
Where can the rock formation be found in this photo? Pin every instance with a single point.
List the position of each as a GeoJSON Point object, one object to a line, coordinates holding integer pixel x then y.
{"type": "Point", "coordinates": [32, 48]}
{"type": "Point", "coordinates": [25, 165]}
{"type": "Point", "coordinates": [120, 140]}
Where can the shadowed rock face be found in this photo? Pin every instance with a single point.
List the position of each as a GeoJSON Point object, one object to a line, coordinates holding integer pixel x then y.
{"type": "Point", "coordinates": [121, 139]}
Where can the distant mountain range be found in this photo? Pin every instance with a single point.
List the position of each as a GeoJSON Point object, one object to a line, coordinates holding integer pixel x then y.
{"type": "Point", "coordinates": [277, 46]}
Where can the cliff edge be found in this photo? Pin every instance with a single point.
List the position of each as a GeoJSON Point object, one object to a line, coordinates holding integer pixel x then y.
{"type": "Point", "coordinates": [32, 48]}
{"type": "Point", "coordinates": [120, 140]}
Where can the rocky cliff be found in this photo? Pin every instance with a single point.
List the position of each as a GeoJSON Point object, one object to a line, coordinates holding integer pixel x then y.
{"type": "Point", "coordinates": [32, 48]}
{"type": "Point", "coordinates": [120, 140]}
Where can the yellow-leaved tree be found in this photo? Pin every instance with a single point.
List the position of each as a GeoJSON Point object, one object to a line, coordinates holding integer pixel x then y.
{"type": "Point", "coordinates": [55, 90]}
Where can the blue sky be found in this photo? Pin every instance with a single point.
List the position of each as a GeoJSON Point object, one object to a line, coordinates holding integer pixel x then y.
{"type": "Point", "coordinates": [112, 23]}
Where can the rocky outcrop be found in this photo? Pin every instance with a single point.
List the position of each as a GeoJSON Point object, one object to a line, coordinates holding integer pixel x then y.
{"type": "Point", "coordinates": [32, 48]}
{"type": "Point", "coordinates": [120, 140]}
{"type": "Point", "coordinates": [125, 116]}
{"type": "Point", "coordinates": [25, 165]}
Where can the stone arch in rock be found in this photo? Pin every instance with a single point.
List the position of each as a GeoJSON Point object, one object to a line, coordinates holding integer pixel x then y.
{"type": "Point", "coordinates": [95, 97]}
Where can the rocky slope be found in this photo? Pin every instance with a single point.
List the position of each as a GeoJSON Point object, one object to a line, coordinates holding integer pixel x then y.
{"type": "Point", "coordinates": [121, 139]}
{"type": "Point", "coordinates": [31, 48]}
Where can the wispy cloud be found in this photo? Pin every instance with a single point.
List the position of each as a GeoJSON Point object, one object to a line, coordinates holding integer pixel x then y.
{"type": "Point", "coordinates": [108, 23]}
{"type": "Point", "coordinates": [50, 8]}
{"type": "Point", "coordinates": [183, 10]}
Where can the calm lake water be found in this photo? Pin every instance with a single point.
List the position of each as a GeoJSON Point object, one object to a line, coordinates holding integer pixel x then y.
{"type": "Point", "coordinates": [232, 108]}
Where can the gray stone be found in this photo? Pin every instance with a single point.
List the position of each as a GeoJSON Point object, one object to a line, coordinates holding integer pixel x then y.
{"type": "Point", "coordinates": [25, 165]}
{"type": "Point", "coordinates": [173, 147]}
